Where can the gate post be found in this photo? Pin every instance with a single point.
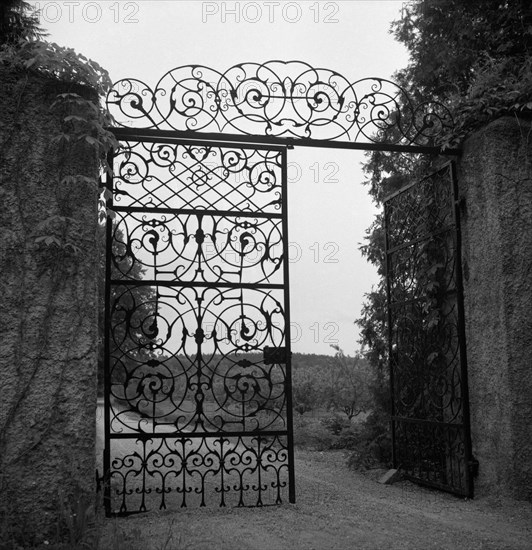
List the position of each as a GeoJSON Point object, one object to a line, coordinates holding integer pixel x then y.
{"type": "Point", "coordinates": [48, 326]}
{"type": "Point", "coordinates": [496, 189]}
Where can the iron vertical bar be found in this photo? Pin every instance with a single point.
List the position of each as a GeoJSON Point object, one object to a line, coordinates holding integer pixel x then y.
{"type": "Point", "coordinates": [289, 404]}
{"type": "Point", "coordinates": [388, 275]}
{"type": "Point", "coordinates": [464, 386]}
{"type": "Point", "coordinates": [107, 346]}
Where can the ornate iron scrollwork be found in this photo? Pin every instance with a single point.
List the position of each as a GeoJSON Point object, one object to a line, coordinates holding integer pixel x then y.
{"type": "Point", "coordinates": [279, 99]}
{"type": "Point", "coordinates": [426, 334]}
{"type": "Point", "coordinates": [196, 255]}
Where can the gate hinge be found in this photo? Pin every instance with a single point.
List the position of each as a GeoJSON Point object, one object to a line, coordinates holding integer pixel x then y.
{"type": "Point", "coordinates": [473, 466]}
{"type": "Point", "coordinates": [99, 481]}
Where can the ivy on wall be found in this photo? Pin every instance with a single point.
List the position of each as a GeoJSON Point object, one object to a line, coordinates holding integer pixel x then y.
{"type": "Point", "coordinates": [474, 57]}
{"type": "Point", "coordinates": [23, 48]}
{"type": "Point", "coordinates": [51, 263]}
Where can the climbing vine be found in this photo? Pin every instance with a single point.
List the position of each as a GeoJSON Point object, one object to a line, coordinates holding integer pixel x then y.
{"type": "Point", "coordinates": [82, 119]}
{"type": "Point", "coordinates": [56, 262]}
{"type": "Point", "coordinates": [474, 57]}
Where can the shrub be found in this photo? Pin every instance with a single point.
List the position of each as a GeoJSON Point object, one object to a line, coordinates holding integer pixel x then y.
{"type": "Point", "coordinates": [310, 433]}
{"type": "Point", "coordinates": [335, 423]}
{"type": "Point", "coordinates": [374, 444]}
{"type": "Point", "coordinates": [348, 438]}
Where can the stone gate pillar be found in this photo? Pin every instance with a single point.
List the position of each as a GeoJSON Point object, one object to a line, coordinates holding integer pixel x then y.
{"type": "Point", "coordinates": [495, 180]}
{"type": "Point", "coordinates": [48, 325]}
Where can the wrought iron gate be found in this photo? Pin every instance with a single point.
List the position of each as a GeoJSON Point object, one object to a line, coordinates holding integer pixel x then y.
{"type": "Point", "coordinates": [428, 371]}
{"type": "Point", "coordinates": [197, 376]}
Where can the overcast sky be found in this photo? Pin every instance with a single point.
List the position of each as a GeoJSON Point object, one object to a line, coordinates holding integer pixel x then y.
{"type": "Point", "coordinates": [329, 208]}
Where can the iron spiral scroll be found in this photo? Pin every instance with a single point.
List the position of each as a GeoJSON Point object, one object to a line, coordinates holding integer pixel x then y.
{"type": "Point", "coordinates": [197, 372]}
{"type": "Point", "coordinates": [279, 99]}
{"type": "Point", "coordinates": [428, 364]}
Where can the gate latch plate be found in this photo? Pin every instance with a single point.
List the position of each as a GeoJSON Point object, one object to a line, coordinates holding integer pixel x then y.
{"type": "Point", "coordinates": [275, 356]}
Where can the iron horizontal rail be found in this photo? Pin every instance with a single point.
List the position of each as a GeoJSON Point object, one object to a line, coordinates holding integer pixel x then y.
{"type": "Point", "coordinates": [197, 212]}
{"type": "Point", "coordinates": [255, 141]}
{"type": "Point", "coordinates": [153, 282]}
{"type": "Point", "coordinates": [425, 480]}
{"type": "Point", "coordinates": [447, 166]}
{"type": "Point", "coordinates": [135, 512]}
{"type": "Point", "coordinates": [195, 138]}
{"type": "Point", "coordinates": [197, 435]}
{"type": "Point", "coordinates": [417, 299]}
{"type": "Point", "coordinates": [425, 237]}
{"type": "Point", "coordinates": [425, 422]}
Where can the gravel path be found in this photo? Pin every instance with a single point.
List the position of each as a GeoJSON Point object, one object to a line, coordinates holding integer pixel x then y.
{"type": "Point", "coordinates": [336, 509]}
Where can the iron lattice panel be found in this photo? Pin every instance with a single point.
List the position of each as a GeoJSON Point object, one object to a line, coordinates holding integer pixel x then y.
{"type": "Point", "coordinates": [430, 417]}
{"type": "Point", "coordinates": [187, 175]}
{"type": "Point", "coordinates": [196, 294]}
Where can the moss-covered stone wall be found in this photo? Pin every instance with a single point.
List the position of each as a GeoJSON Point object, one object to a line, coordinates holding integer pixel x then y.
{"type": "Point", "coordinates": [495, 180]}
{"type": "Point", "coordinates": [48, 325]}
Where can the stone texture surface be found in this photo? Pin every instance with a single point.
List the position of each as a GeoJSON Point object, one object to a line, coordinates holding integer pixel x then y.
{"type": "Point", "coordinates": [48, 326]}
{"type": "Point", "coordinates": [495, 180]}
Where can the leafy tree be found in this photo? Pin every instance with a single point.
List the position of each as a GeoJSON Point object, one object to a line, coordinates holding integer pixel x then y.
{"type": "Point", "coordinates": [19, 20]}
{"type": "Point", "coordinates": [474, 58]}
{"type": "Point", "coordinates": [305, 390]}
{"type": "Point", "coordinates": [449, 41]}
{"type": "Point", "coordinates": [349, 382]}
{"type": "Point", "coordinates": [340, 383]}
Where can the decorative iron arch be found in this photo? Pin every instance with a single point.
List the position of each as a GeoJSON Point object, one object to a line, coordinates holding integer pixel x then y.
{"type": "Point", "coordinates": [286, 102]}
{"type": "Point", "coordinates": [198, 401]}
